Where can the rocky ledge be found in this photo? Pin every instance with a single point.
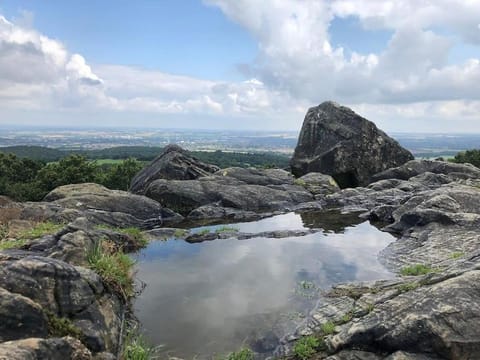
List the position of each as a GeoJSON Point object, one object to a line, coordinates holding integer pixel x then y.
{"type": "Point", "coordinates": [430, 310]}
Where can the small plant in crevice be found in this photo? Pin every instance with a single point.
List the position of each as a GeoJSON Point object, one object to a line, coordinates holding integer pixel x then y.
{"type": "Point", "coordinates": [226, 229]}
{"type": "Point", "coordinates": [457, 255]}
{"type": "Point", "coordinates": [242, 354]}
{"type": "Point", "coordinates": [179, 233]}
{"type": "Point", "coordinates": [328, 328]}
{"type": "Point", "coordinates": [203, 232]}
{"type": "Point", "coordinates": [113, 266]}
{"type": "Point", "coordinates": [136, 347]}
{"type": "Point", "coordinates": [406, 287]}
{"type": "Point", "coordinates": [416, 270]}
{"type": "Point", "coordinates": [369, 308]}
{"type": "Point", "coordinates": [347, 317]}
{"type": "Point", "coordinates": [60, 327]}
{"type": "Point", "coordinates": [307, 346]}
{"type": "Point", "coordinates": [136, 235]}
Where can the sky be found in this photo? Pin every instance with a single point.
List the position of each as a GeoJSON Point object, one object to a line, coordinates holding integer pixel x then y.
{"type": "Point", "coordinates": [407, 65]}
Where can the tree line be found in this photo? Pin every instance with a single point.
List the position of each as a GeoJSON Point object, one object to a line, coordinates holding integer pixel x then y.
{"type": "Point", "coordinates": [24, 179]}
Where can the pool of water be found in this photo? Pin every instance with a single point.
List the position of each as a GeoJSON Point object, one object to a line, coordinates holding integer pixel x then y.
{"type": "Point", "coordinates": [211, 298]}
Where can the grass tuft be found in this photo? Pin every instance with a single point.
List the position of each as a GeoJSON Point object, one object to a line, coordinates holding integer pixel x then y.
{"type": "Point", "coordinates": [60, 327]}
{"type": "Point", "coordinates": [406, 287]}
{"type": "Point", "coordinates": [307, 346]}
{"type": "Point", "coordinates": [40, 229]}
{"type": "Point", "coordinates": [243, 354]}
{"type": "Point", "coordinates": [179, 233]}
{"type": "Point", "coordinates": [328, 328]}
{"type": "Point", "coordinates": [416, 270]}
{"type": "Point", "coordinates": [226, 229]}
{"type": "Point", "coordinates": [114, 267]}
{"type": "Point", "coordinates": [457, 255]}
{"type": "Point", "coordinates": [136, 347]}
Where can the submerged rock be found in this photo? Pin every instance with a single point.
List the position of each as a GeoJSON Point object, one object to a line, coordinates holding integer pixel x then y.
{"type": "Point", "coordinates": [336, 141]}
{"type": "Point", "coordinates": [174, 163]}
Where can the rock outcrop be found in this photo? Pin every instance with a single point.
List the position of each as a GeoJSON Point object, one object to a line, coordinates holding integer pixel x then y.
{"type": "Point", "coordinates": [433, 209]}
{"type": "Point", "coordinates": [96, 203]}
{"type": "Point", "coordinates": [246, 190]}
{"type": "Point", "coordinates": [174, 163]}
{"type": "Point", "coordinates": [336, 141]}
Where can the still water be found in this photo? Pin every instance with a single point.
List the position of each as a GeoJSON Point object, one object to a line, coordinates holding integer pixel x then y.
{"type": "Point", "coordinates": [211, 298]}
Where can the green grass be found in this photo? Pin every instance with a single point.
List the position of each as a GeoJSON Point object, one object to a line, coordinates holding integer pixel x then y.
{"type": "Point", "coordinates": [226, 229]}
{"type": "Point", "coordinates": [457, 255]}
{"type": "Point", "coordinates": [306, 347]}
{"type": "Point", "coordinates": [60, 327]}
{"type": "Point", "coordinates": [243, 354]}
{"type": "Point", "coordinates": [137, 236]}
{"type": "Point", "coordinates": [406, 287]}
{"type": "Point", "coordinates": [328, 328]}
{"type": "Point", "coordinates": [115, 268]}
{"type": "Point", "coordinates": [347, 317]}
{"type": "Point", "coordinates": [179, 233]}
{"type": "Point", "coordinates": [40, 229]}
{"type": "Point", "coordinates": [12, 244]}
{"type": "Point", "coordinates": [369, 307]}
{"type": "Point", "coordinates": [134, 233]}
{"type": "Point", "coordinates": [204, 232]}
{"type": "Point", "coordinates": [136, 347]}
{"type": "Point", "coordinates": [416, 270]}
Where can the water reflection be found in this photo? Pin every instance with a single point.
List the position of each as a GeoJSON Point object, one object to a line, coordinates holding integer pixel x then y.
{"type": "Point", "coordinates": [213, 297]}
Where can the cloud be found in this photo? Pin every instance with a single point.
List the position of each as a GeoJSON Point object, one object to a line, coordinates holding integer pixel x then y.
{"type": "Point", "coordinates": [297, 66]}
{"type": "Point", "coordinates": [297, 56]}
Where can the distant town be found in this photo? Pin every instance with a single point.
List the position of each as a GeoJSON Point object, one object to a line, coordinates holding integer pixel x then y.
{"type": "Point", "coordinates": [422, 145]}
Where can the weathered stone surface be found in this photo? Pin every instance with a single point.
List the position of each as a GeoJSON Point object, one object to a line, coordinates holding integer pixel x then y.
{"type": "Point", "coordinates": [65, 291]}
{"type": "Point", "coordinates": [42, 349]}
{"type": "Point", "coordinates": [417, 167]}
{"type": "Point", "coordinates": [96, 197]}
{"type": "Point", "coordinates": [187, 195]}
{"type": "Point", "coordinates": [20, 317]}
{"type": "Point", "coordinates": [336, 141]}
{"type": "Point", "coordinates": [254, 176]}
{"type": "Point", "coordinates": [174, 163]}
{"type": "Point", "coordinates": [318, 184]}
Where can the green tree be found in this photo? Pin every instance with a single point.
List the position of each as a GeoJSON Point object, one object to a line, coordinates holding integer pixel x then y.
{"type": "Point", "coordinates": [73, 169]}
{"type": "Point", "coordinates": [469, 156]}
{"type": "Point", "coordinates": [120, 176]}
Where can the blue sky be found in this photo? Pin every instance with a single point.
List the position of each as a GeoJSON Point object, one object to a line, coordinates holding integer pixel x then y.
{"type": "Point", "coordinates": [405, 64]}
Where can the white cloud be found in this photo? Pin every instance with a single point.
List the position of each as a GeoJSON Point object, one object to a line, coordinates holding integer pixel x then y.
{"type": "Point", "coordinates": [297, 66]}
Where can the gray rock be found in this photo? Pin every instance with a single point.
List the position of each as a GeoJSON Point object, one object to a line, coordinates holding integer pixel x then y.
{"type": "Point", "coordinates": [20, 317]}
{"type": "Point", "coordinates": [41, 349]}
{"type": "Point", "coordinates": [336, 141]}
{"type": "Point", "coordinates": [417, 167]}
{"type": "Point", "coordinates": [174, 163]}
{"type": "Point", "coordinates": [318, 184]}
{"type": "Point", "coordinates": [187, 195]}
{"type": "Point", "coordinates": [94, 197]}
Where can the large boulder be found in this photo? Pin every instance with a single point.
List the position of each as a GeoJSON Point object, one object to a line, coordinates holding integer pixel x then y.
{"type": "Point", "coordinates": [174, 163]}
{"type": "Point", "coordinates": [102, 205]}
{"type": "Point", "coordinates": [334, 140]}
